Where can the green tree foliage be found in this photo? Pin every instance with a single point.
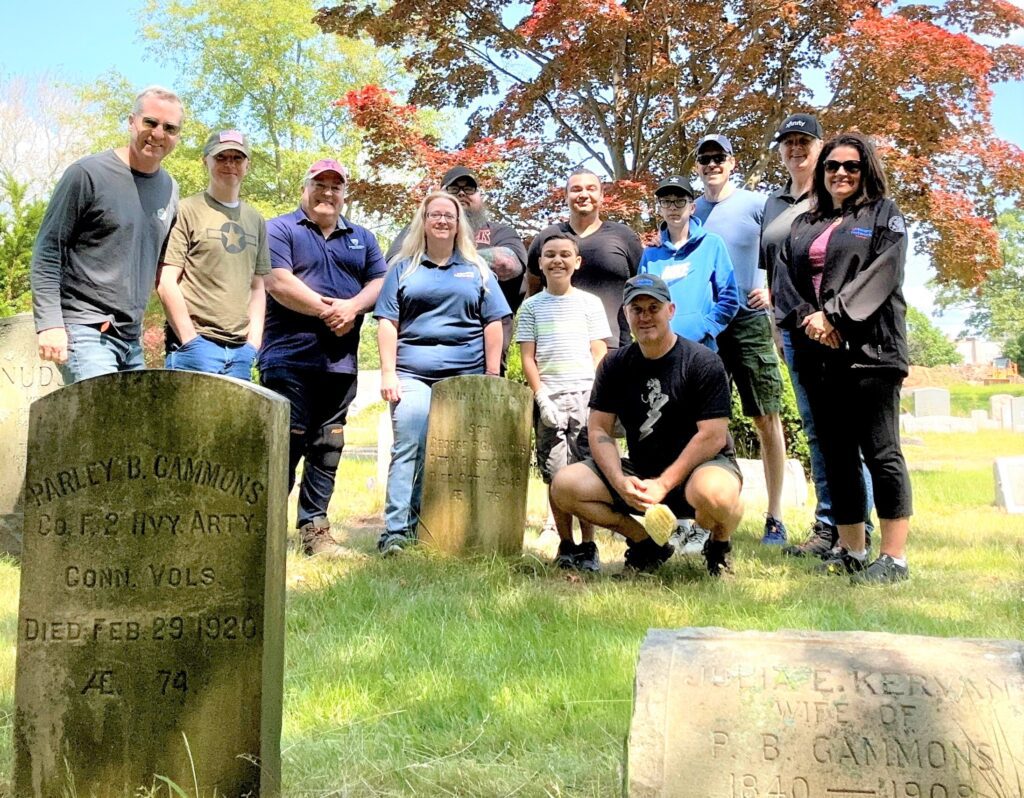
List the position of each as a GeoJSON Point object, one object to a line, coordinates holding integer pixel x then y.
{"type": "Point", "coordinates": [268, 70]}
{"type": "Point", "coordinates": [928, 346]}
{"type": "Point", "coordinates": [20, 218]}
{"type": "Point", "coordinates": [997, 304]}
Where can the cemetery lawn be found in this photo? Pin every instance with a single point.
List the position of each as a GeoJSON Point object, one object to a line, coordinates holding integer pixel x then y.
{"type": "Point", "coordinates": [429, 676]}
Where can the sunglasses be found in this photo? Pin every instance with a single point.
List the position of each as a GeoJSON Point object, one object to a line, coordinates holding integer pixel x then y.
{"type": "Point", "coordinates": [717, 158]}
{"type": "Point", "coordinates": [850, 167]}
{"type": "Point", "coordinates": [469, 191]}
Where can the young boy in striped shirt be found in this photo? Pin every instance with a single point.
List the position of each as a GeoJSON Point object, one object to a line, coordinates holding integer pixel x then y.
{"type": "Point", "coordinates": [562, 333]}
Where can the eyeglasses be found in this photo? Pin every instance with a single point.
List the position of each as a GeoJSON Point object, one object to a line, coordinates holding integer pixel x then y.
{"type": "Point", "coordinates": [674, 203]}
{"type": "Point", "coordinates": [437, 216]}
{"type": "Point", "coordinates": [715, 158]}
{"type": "Point", "coordinates": [233, 159]}
{"type": "Point", "coordinates": [150, 123]}
{"type": "Point", "coordinates": [328, 188]}
{"type": "Point", "coordinates": [850, 167]}
{"type": "Point", "coordinates": [469, 191]}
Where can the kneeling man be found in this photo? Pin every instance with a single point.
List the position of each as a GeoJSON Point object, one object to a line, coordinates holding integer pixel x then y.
{"type": "Point", "coordinates": [672, 397]}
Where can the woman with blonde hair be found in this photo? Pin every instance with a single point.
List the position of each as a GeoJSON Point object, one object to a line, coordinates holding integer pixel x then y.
{"type": "Point", "coordinates": [439, 315]}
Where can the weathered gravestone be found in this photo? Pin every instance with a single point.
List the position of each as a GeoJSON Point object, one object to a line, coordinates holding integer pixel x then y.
{"type": "Point", "coordinates": [23, 379]}
{"type": "Point", "coordinates": [477, 466]}
{"type": "Point", "coordinates": [825, 715]}
{"type": "Point", "coordinates": [151, 619]}
{"type": "Point", "coordinates": [1017, 413]}
{"type": "Point", "coordinates": [1009, 472]}
{"type": "Point", "coordinates": [931, 402]}
{"type": "Point", "coordinates": [1001, 407]}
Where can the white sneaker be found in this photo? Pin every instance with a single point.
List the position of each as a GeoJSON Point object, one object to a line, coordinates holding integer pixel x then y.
{"type": "Point", "coordinates": [693, 540]}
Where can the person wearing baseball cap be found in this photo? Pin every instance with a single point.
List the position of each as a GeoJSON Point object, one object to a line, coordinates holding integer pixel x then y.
{"type": "Point", "coordinates": [326, 273]}
{"type": "Point", "coordinates": [211, 275]}
{"type": "Point", "coordinates": [498, 244]}
{"type": "Point", "coordinates": [672, 398]}
{"type": "Point", "coordinates": [746, 345]}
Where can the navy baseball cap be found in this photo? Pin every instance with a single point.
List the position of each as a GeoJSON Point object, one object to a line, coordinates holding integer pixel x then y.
{"type": "Point", "coordinates": [645, 285]}
{"type": "Point", "coordinates": [800, 123]}
{"type": "Point", "coordinates": [675, 184]}
{"type": "Point", "coordinates": [715, 138]}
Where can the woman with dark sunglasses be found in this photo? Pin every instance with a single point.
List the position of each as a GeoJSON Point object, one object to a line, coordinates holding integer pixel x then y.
{"type": "Point", "coordinates": [839, 293]}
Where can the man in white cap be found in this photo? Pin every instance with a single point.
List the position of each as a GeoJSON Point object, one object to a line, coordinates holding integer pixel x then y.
{"type": "Point", "coordinates": [211, 278]}
{"type": "Point", "coordinates": [326, 272]}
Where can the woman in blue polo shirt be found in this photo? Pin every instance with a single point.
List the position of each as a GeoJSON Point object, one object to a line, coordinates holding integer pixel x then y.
{"type": "Point", "coordinates": [439, 315]}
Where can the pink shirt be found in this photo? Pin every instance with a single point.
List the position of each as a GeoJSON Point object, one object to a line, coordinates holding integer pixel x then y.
{"type": "Point", "coordinates": [817, 256]}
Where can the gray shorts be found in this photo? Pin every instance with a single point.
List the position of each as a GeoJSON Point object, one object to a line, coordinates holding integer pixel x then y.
{"type": "Point", "coordinates": [557, 448]}
{"type": "Point", "coordinates": [675, 499]}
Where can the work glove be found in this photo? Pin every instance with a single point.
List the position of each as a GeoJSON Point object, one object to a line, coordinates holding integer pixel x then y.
{"type": "Point", "coordinates": [550, 415]}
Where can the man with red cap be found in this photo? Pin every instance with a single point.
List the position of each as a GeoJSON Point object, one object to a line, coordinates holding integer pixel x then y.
{"type": "Point", "coordinates": [326, 272]}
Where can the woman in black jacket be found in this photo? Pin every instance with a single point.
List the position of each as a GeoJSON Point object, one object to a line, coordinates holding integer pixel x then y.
{"type": "Point", "coordinates": [840, 294]}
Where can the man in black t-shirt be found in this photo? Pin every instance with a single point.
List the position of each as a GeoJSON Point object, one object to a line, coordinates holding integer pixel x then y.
{"type": "Point", "coordinates": [672, 397]}
{"type": "Point", "coordinates": [610, 251]}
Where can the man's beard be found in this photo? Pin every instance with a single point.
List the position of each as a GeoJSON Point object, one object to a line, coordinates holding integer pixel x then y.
{"type": "Point", "coordinates": [476, 219]}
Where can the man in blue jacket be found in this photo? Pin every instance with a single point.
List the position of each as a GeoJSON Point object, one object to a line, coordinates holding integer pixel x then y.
{"type": "Point", "coordinates": [694, 263]}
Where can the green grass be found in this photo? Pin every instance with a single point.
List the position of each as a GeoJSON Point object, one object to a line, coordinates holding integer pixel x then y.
{"type": "Point", "coordinates": [426, 675]}
{"type": "Point", "coordinates": [965, 398]}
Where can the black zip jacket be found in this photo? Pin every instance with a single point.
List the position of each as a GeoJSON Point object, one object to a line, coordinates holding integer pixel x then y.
{"type": "Point", "coordinates": [861, 287]}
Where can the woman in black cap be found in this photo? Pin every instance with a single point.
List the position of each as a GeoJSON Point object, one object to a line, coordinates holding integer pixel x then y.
{"type": "Point", "coordinates": [838, 292]}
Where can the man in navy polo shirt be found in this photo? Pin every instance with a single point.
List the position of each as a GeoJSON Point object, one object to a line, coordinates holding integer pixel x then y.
{"type": "Point", "coordinates": [325, 274]}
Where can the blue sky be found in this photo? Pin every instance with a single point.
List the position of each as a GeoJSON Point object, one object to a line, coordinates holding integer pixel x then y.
{"type": "Point", "coordinates": [77, 41]}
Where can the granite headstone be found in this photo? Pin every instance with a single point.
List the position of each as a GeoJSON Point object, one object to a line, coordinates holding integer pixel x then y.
{"type": "Point", "coordinates": [151, 618]}
{"type": "Point", "coordinates": [931, 402]}
{"type": "Point", "coordinates": [1009, 473]}
{"type": "Point", "coordinates": [1001, 407]}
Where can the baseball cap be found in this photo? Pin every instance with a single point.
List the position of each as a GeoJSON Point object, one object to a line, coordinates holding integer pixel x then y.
{"type": "Point", "coordinates": [645, 285]}
{"type": "Point", "coordinates": [455, 173]}
{"type": "Point", "coordinates": [226, 140]}
{"type": "Point", "coordinates": [715, 138]}
{"type": "Point", "coordinates": [675, 184]}
{"type": "Point", "coordinates": [800, 123]}
{"type": "Point", "coordinates": [326, 165]}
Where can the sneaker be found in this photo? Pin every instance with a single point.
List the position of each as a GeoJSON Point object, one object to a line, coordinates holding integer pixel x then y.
{"type": "Point", "coordinates": [316, 539]}
{"type": "Point", "coordinates": [714, 556]}
{"type": "Point", "coordinates": [587, 557]}
{"type": "Point", "coordinates": [567, 552]}
{"type": "Point", "coordinates": [774, 532]}
{"type": "Point", "coordinates": [692, 542]}
{"type": "Point", "coordinates": [391, 543]}
{"type": "Point", "coordinates": [646, 556]}
{"type": "Point", "coordinates": [883, 571]}
{"type": "Point", "coordinates": [840, 563]}
{"type": "Point", "coordinates": [821, 539]}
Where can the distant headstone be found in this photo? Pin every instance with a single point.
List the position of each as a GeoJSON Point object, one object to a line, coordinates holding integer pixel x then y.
{"type": "Point", "coordinates": [23, 379]}
{"type": "Point", "coordinates": [931, 402]}
{"type": "Point", "coordinates": [1017, 413]}
{"type": "Point", "coordinates": [1009, 472]}
{"type": "Point", "coordinates": [982, 421]}
{"type": "Point", "coordinates": [477, 466]}
{"type": "Point", "coordinates": [755, 489]}
{"type": "Point", "coordinates": [151, 618]}
{"type": "Point", "coordinates": [1001, 407]}
{"type": "Point", "coordinates": [825, 715]}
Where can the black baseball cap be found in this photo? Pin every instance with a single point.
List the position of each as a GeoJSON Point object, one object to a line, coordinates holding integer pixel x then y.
{"type": "Point", "coordinates": [800, 123]}
{"type": "Point", "coordinates": [675, 184]}
{"type": "Point", "coordinates": [645, 285]}
{"type": "Point", "coordinates": [455, 173]}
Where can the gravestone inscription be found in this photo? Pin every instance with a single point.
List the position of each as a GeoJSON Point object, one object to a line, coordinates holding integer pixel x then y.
{"type": "Point", "coordinates": [23, 379]}
{"type": "Point", "coordinates": [151, 617]}
{"type": "Point", "coordinates": [825, 715]}
{"type": "Point", "coordinates": [477, 466]}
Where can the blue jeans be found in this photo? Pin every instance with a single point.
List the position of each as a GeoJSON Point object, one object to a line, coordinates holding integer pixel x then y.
{"type": "Point", "coordinates": [92, 353]}
{"type": "Point", "coordinates": [823, 510]}
{"type": "Point", "coordinates": [211, 357]}
{"type": "Point", "coordinates": [405, 474]}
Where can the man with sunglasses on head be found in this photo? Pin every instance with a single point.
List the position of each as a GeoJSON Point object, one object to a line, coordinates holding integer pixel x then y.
{"type": "Point", "coordinates": [211, 278]}
{"type": "Point", "coordinates": [497, 243]}
{"type": "Point", "coordinates": [746, 346]}
{"type": "Point", "coordinates": [96, 254]}
{"type": "Point", "coordinates": [326, 272]}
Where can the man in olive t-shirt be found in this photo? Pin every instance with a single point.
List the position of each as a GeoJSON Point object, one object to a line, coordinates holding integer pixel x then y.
{"type": "Point", "coordinates": [211, 276]}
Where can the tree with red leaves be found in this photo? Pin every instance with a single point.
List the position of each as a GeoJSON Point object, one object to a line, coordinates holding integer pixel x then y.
{"type": "Point", "coordinates": [629, 87]}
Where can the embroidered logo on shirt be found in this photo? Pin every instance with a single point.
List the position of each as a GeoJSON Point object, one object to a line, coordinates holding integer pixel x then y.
{"type": "Point", "coordinates": [860, 232]}
{"type": "Point", "coordinates": [657, 400]}
{"type": "Point", "coordinates": [676, 271]}
{"type": "Point", "coordinates": [353, 243]}
{"type": "Point", "coordinates": [466, 275]}
{"type": "Point", "coordinates": [483, 236]}
{"type": "Point", "coordinates": [897, 225]}
{"type": "Point", "coordinates": [232, 237]}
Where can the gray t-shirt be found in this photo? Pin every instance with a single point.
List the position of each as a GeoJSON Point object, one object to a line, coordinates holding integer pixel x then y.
{"type": "Point", "coordinates": [97, 251]}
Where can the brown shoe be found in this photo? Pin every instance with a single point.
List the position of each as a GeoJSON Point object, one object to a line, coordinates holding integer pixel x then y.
{"type": "Point", "coordinates": [317, 539]}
